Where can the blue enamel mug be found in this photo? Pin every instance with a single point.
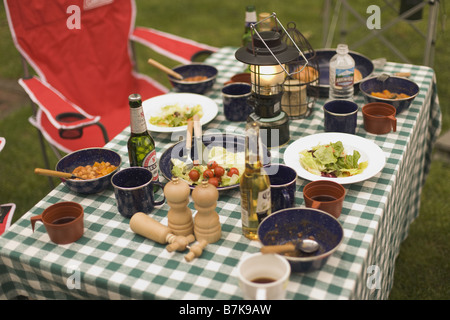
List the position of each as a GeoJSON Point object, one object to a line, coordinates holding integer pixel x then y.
{"type": "Point", "coordinates": [235, 105]}
{"type": "Point", "coordinates": [282, 185]}
{"type": "Point", "coordinates": [135, 191]}
{"type": "Point", "coordinates": [340, 116]}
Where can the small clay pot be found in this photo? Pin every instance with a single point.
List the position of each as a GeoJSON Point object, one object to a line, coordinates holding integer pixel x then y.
{"type": "Point", "coordinates": [379, 118]}
{"type": "Point", "coordinates": [63, 222]}
{"type": "Point", "coordinates": [325, 195]}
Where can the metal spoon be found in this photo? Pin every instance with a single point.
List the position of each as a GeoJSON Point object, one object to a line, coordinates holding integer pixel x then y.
{"type": "Point", "coordinates": [305, 245]}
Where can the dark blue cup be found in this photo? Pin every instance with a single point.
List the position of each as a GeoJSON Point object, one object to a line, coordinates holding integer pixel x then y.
{"type": "Point", "coordinates": [134, 191]}
{"type": "Point", "coordinates": [235, 96]}
{"type": "Point", "coordinates": [282, 185]}
{"type": "Point", "coordinates": [340, 116]}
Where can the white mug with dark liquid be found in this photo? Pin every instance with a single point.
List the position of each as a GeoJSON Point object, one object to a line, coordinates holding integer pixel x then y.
{"type": "Point", "coordinates": [264, 276]}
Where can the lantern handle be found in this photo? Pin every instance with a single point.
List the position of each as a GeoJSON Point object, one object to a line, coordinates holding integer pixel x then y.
{"type": "Point", "coordinates": [278, 22]}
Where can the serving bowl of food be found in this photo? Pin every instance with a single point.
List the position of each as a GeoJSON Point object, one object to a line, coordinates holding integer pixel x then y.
{"type": "Point", "coordinates": [363, 69]}
{"type": "Point", "coordinates": [197, 78]}
{"type": "Point", "coordinates": [224, 159]}
{"type": "Point", "coordinates": [396, 91]}
{"type": "Point", "coordinates": [93, 166]}
{"type": "Point", "coordinates": [293, 225]}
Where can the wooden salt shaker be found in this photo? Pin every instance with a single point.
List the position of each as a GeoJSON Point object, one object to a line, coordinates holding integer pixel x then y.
{"type": "Point", "coordinates": [179, 217]}
{"type": "Point", "coordinates": [206, 222]}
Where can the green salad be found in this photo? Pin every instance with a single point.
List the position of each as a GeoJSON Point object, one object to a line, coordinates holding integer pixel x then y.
{"type": "Point", "coordinates": [224, 168]}
{"type": "Point", "coordinates": [331, 160]}
{"type": "Point", "coordinates": [175, 115]}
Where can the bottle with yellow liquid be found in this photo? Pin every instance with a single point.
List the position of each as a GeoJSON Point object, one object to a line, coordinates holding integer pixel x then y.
{"type": "Point", "coordinates": [254, 185]}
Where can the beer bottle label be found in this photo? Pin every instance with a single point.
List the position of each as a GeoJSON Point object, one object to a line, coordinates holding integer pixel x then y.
{"type": "Point", "coordinates": [264, 204]}
{"type": "Point", "coordinates": [137, 124]}
{"type": "Point", "coordinates": [150, 163]}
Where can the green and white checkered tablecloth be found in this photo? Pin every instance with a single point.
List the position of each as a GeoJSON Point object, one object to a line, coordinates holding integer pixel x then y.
{"type": "Point", "coordinates": [111, 262]}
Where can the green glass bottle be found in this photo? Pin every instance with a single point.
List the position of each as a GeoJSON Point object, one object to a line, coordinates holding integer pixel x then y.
{"type": "Point", "coordinates": [250, 17]}
{"type": "Point", "coordinates": [141, 146]}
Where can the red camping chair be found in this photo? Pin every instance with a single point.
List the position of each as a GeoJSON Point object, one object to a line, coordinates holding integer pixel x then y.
{"type": "Point", "coordinates": [7, 209]}
{"type": "Point", "coordinates": [82, 55]}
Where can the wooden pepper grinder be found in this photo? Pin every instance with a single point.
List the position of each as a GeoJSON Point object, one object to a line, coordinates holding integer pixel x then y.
{"type": "Point", "coordinates": [151, 229]}
{"type": "Point", "coordinates": [206, 222]}
{"type": "Point", "coordinates": [179, 217]}
{"type": "Point", "coordinates": [196, 250]}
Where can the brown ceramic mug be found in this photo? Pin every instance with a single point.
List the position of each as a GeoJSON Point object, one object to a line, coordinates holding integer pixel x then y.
{"type": "Point", "coordinates": [325, 195]}
{"type": "Point", "coordinates": [63, 222]}
{"type": "Point", "coordinates": [240, 77]}
{"type": "Point", "coordinates": [379, 118]}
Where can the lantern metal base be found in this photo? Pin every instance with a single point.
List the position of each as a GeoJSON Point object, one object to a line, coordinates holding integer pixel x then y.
{"type": "Point", "coordinates": [266, 106]}
{"type": "Point", "coordinates": [274, 131]}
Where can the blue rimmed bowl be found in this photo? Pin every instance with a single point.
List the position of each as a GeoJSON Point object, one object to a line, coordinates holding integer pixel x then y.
{"type": "Point", "coordinates": [393, 84]}
{"type": "Point", "coordinates": [86, 157]}
{"type": "Point", "coordinates": [293, 224]}
{"type": "Point", "coordinates": [194, 70]}
{"type": "Point", "coordinates": [232, 142]}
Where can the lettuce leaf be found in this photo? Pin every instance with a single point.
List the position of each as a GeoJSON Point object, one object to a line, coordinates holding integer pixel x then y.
{"type": "Point", "coordinates": [331, 159]}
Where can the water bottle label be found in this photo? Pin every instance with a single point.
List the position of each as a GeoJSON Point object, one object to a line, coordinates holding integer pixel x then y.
{"type": "Point", "coordinates": [151, 164]}
{"type": "Point", "coordinates": [344, 77]}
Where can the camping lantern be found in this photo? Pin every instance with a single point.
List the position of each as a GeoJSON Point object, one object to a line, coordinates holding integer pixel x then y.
{"type": "Point", "coordinates": [267, 56]}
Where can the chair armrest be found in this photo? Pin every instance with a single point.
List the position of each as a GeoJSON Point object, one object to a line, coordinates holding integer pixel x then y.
{"type": "Point", "coordinates": [174, 47]}
{"type": "Point", "coordinates": [55, 106]}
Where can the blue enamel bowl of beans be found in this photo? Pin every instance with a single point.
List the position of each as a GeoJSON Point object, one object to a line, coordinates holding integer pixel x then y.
{"type": "Point", "coordinates": [94, 178]}
{"type": "Point", "coordinates": [295, 224]}
{"type": "Point", "coordinates": [197, 78]}
{"type": "Point", "coordinates": [396, 91]}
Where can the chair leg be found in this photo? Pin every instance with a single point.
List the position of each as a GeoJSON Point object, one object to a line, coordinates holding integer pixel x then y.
{"type": "Point", "coordinates": [45, 157]}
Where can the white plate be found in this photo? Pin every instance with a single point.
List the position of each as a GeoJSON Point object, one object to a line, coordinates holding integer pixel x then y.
{"type": "Point", "coordinates": [368, 150]}
{"type": "Point", "coordinates": [153, 107]}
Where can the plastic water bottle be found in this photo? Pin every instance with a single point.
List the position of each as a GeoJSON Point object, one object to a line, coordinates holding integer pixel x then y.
{"type": "Point", "coordinates": [342, 68]}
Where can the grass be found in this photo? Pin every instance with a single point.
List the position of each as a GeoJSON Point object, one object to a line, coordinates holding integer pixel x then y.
{"type": "Point", "coordinates": [422, 268]}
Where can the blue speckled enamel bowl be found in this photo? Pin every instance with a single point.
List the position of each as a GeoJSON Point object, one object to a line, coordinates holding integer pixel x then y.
{"type": "Point", "coordinates": [192, 70]}
{"type": "Point", "coordinates": [293, 224]}
{"type": "Point", "coordinates": [232, 142]}
{"type": "Point", "coordinates": [86, 157]}
{"type": "Point", "coordinates": [393, 84]}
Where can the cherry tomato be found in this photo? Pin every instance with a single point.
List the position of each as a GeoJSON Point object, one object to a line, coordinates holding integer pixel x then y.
{"type": "Point", "coordinates": [232, 171]}
{"type": "Point", "coordinates": [214, 181]}
{"type": "Point", "coordinates": [219, 171]}
{"type": "Point", "coordinates": [212, 164]}
{"type": "Point", "coordinates": [208, 173]}
{"type": "Point", "coordinates": [194, 175]}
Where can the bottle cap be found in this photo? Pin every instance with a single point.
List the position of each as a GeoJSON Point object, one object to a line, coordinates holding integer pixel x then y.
{"type": "Point", "coordinates": [342, 48]}
{"type": "Point", "coordinates": [134, 97]}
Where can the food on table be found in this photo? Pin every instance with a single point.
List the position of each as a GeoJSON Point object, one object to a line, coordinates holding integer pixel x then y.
{"type": "Point", "coordinates": [386, 94]}
{"type": "Point", "coordinates": [331, 160]}
{"type": "Point", "coordinates": [357, 76]}
{"type": "Point", "coordinates": [195, 78]}
{"type": "Point", "coordinates": [175, 115]}
{"type": "Point", "coordinates": [224, 168]}
{"type": "Point", "coordinates": [308, 74]}
{"type": "Point", "coordinates": [97, 170]}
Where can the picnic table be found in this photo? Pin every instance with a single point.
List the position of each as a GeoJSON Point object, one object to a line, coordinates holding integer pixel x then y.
{"type": "Point", "coordinates": [110, 261]}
